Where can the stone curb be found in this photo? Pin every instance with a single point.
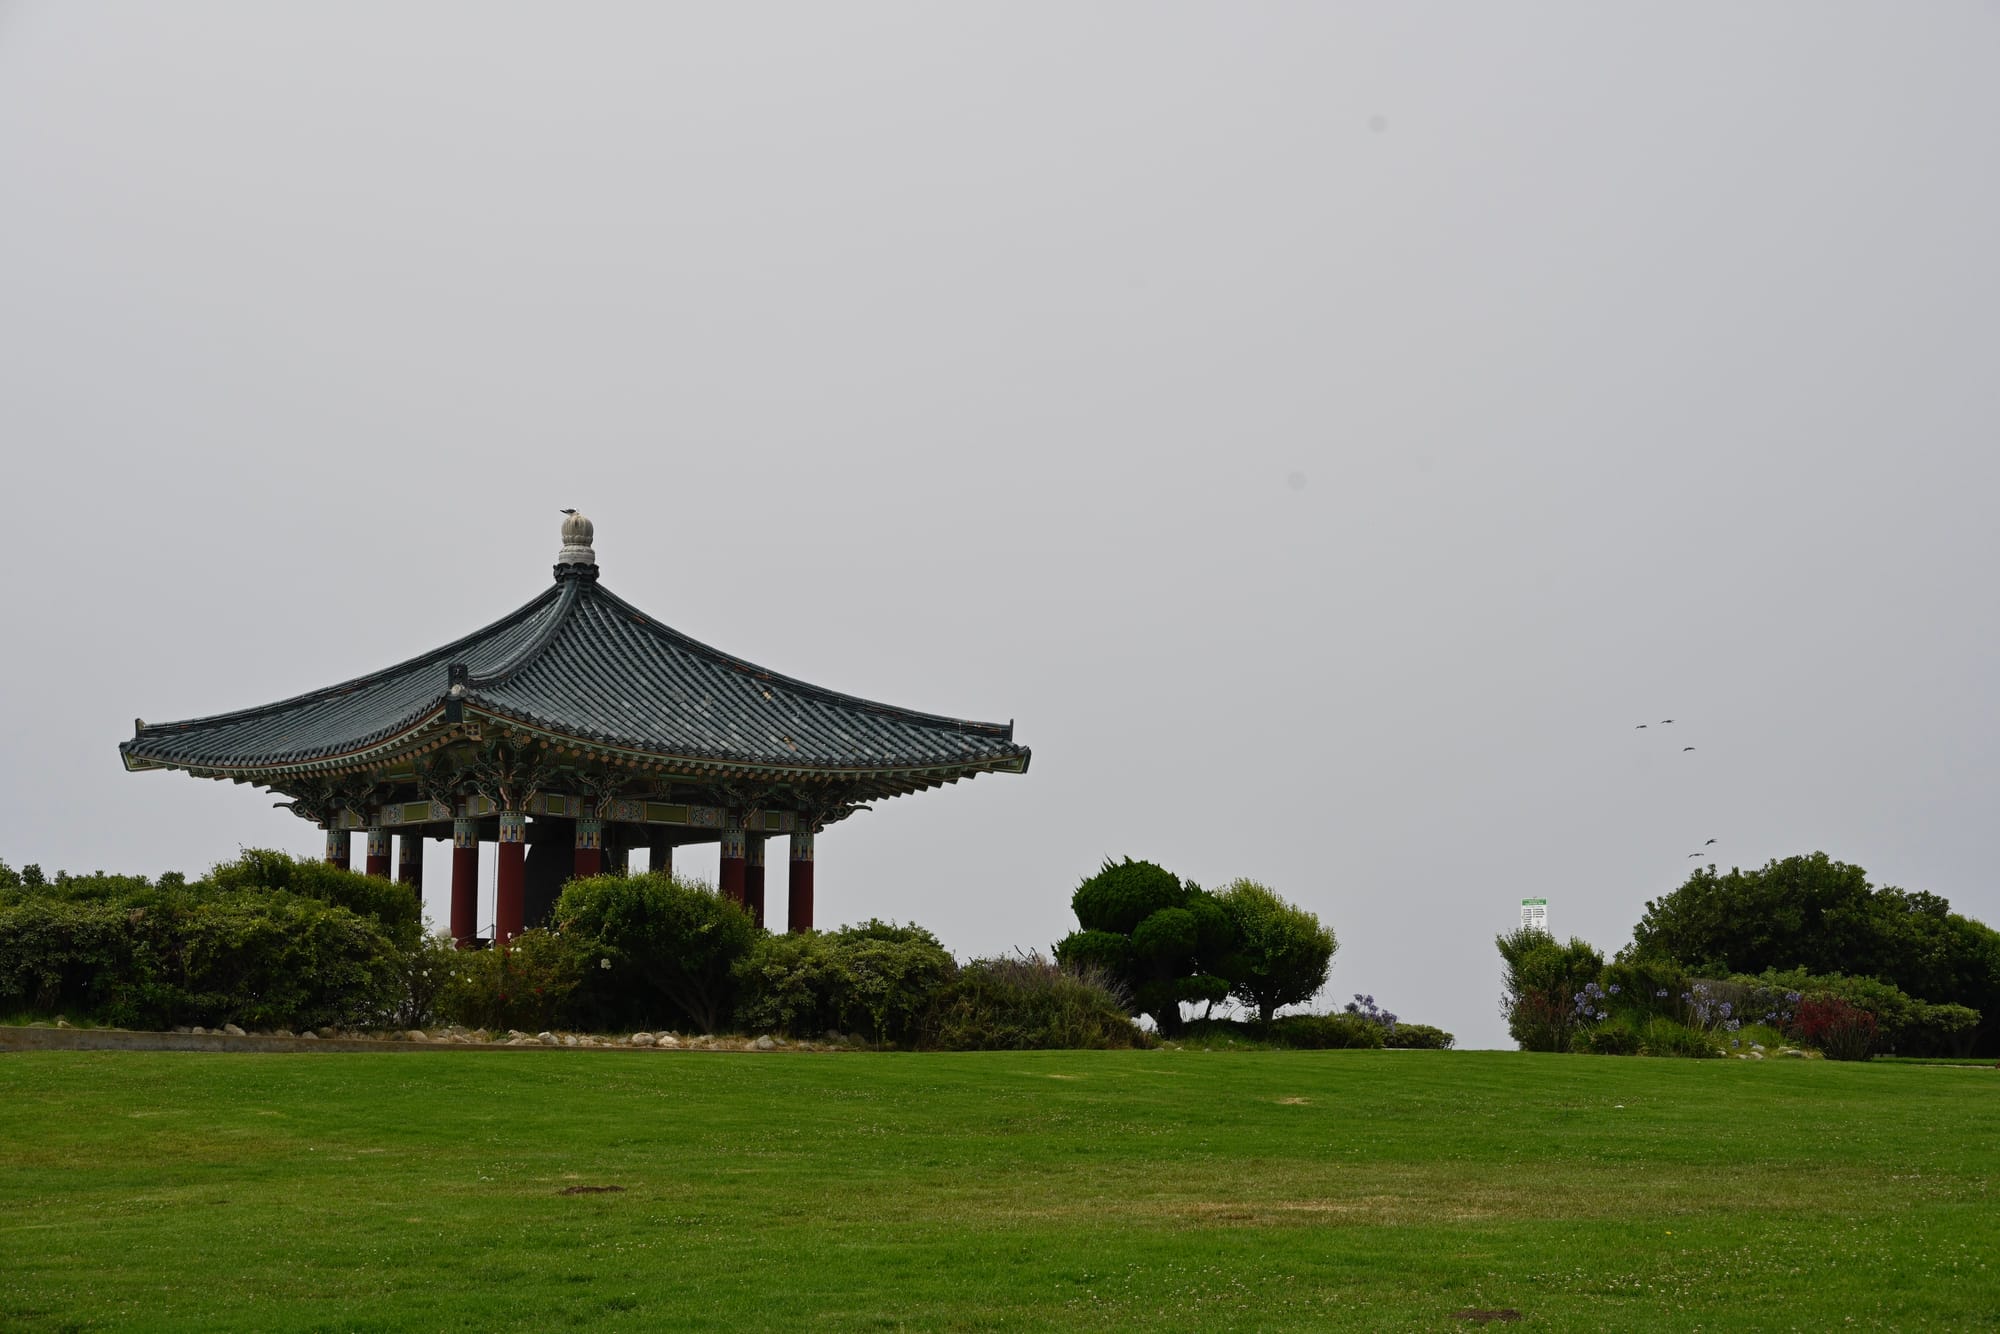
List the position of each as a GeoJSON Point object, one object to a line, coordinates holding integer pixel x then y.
{"type": "Point", "coordinates": [39, 1038]}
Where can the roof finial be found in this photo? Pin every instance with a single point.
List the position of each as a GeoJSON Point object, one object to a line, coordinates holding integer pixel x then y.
{"type": "Point", "coordinates": [576, 535]}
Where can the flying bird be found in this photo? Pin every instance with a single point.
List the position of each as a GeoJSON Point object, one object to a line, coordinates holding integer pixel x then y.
{"type": "Point", "coordinates": [1665, 721]}
{"type": "Point", "coordinates": [1686, 749]}
{"type": "Point", "coordinates": [1709, 841]}
{"type": "Point", "coordinates": [1694, 854]}
{"type": "Point", "coordinates": [1641, 725]}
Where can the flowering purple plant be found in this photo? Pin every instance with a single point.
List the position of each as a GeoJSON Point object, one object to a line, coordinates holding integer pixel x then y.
{"type": "Point", "coordinates": [1364, 1007]}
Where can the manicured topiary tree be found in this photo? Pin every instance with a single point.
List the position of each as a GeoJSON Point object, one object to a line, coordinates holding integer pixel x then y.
{"type": "Point", "coordinates": [1162, 940]}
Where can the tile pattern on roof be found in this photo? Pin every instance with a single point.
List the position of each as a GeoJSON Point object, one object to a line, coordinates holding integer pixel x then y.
{"type": "Point", "coordinates": [584, 663]}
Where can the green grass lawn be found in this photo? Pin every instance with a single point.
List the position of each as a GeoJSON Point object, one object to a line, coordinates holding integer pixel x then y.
{"type": "Point", "coordinates": [1165, 1190]}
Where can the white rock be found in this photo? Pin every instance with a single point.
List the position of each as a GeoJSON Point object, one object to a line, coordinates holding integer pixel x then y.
{"type": "Point", "coordinates": [642, 1039]}
{"type": "Point", "coordinates": [764, 1043]}
{"type": "Point", "coordinates": [61, 1022]}
{"type": "Point", "coordinates": [569, 1040]}
{"type": "Point", "coordinates": [417, 1035]}
{"type": "Point", "coordinates": [310, 1034]}
{"type": "Point", "coordinates": [548, 1039]}
{"type": "Point", "coordinates": [233, 1031]}
{"type": "Point", "coordinates": [199, 1031]}
{"type": "Point", "coordinates": [667, 1040]}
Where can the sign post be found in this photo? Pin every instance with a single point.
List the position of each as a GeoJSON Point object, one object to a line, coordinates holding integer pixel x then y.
{"type": "Point", "coordinates": [1535, 915]}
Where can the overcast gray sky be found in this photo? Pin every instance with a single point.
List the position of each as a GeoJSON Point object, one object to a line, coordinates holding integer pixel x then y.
{"type": "Point", "coordinates": [1328, 430]}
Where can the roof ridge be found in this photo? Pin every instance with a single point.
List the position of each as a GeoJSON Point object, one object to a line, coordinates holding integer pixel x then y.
{"type": "Point", "coordinates": [1004, 731]}
{"type": "Point", "coordinates": [567, 599]}
{"type": "Point", "coordinates": [350, 686]}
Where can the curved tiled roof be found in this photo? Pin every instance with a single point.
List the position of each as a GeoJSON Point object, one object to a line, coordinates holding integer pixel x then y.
{"type": "Point", "coordinates": [579, 662]}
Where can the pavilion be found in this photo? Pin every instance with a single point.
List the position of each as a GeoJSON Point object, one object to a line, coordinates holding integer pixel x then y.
{"type": "Point", "coordinates": [571, 732]}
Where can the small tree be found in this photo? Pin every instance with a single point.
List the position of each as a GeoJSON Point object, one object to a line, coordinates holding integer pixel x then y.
{"type": "Point", "coordinates": [1541, 980]}
{"type": "Point", "coordinates": [1282, 954]}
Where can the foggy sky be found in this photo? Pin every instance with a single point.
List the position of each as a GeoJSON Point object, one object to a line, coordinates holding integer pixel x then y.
{"type": "Point", "coordinates": [1327, 430]}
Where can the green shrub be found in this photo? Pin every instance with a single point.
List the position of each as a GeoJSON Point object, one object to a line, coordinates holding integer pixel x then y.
{"type": "Point", "coordinates": [1640, 982]}
{"type": "Point", "coordinates": [1612, 1038]}
{"type": "Point", "coordinates": [1541, 980]}
{"type": "Point", "coordinates": [530, 983]}
{"type": "Point", "coordinates": [278, 961]}
{"type": "Point", "coordinates": [1324, 1032]}
{"type": "Point", "coordinates": [1417, 1037]}
{"type": "Point", "coordinates": [1031, 1003]}
{"type": "Point", "coordinates": [875, 977]}
{"type": "Point", "coordinates": [889, 975]}
{"type": "Point", "coordinates": [788, 984]}
{"type": "Point", "coordinates": [399, 911]}
{"type": "Point", "coordinates": [428, 972]}
{"type": "Point", "coordinates": [78, 958]}
{"type": "Point", "coordinates": [1666, 1037]}
{"type": "Point", "coordinates": [264, 960]}
{"type": "Point", "coordinates": [668, 947]}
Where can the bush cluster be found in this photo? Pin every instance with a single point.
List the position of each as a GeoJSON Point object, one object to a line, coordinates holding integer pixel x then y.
{"type": "Point", "coordinates": [272, 941]}
{"type": "Point", "coordinates": [1817, 917]}
{"type": "Point", "coordinates": [255, 943]}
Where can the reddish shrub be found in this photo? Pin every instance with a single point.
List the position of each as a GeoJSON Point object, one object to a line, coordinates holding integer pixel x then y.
{"type": "Point", "coordinates": [1841, 1031]}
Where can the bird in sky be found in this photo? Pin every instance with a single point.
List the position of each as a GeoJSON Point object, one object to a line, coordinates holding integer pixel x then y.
{"type": "Point", "coordinates": [1694, 854]}
{"type": "Point", "coordinates": [1665, 721]}
{"type": "Point", "coordinates": [1686, 749]}
{"type": "Point", "coordinates": [1641, 725]}
{"type": "Point", "coordinates": [1709, 841]}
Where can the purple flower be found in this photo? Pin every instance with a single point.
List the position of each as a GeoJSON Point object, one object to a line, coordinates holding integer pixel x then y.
{"type": "Point", "coordinates": [1614, 988]}
{"type": "Point", "coordinates": [1725, 1009]}
{"type": "Point", "coordinates": [1661, 993]}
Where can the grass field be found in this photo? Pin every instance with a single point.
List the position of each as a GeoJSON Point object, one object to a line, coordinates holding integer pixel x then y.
{"type": "Point", "coordinates": [1165, 1190]}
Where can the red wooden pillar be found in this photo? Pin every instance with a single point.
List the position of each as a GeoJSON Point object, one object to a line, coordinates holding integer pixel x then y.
{"type": "Point", "coordinates": [799, 889]}
{"type": "Point", "coordinates": [378, 851]}
{"type": "Point", "coordinates": [730, 875]}
{"type": "Point", "coordinates": [753, 877]}
{"type": "Point", "coordinates": [510, 900]}
{"type": "Point", "coordinates": [410, 862]}
{"type": "Point", "coordinates": [339, 847]}
{"type": "Point", "coordinates": [589, 846]}
{"type": "Point", "coordinates": [464, 881]}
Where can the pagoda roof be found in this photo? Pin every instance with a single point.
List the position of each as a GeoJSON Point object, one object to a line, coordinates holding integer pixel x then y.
{"type": "Point", "coordinates": [583, 671]}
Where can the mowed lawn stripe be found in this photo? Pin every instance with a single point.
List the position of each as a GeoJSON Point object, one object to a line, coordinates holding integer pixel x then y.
{"type": "Point", "coordinates": [1166, 1189]}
